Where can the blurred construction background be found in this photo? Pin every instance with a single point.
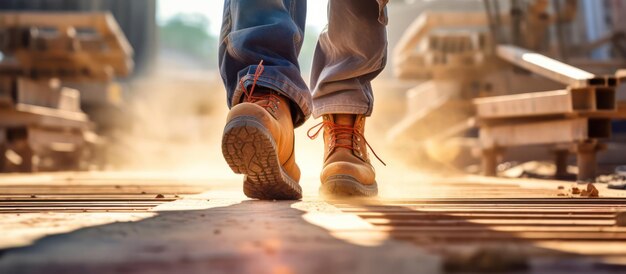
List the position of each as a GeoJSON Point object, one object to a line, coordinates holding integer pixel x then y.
{"type": "Point", "coordinates": [503, 124]}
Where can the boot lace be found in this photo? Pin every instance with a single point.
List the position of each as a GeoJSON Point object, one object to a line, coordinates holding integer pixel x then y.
{"type": "Point", "coordinates": [272, 98]}
{"type": "Point", "coordinates": [338, 132]}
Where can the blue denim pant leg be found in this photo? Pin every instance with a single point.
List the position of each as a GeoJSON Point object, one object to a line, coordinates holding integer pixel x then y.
{"type": "Point", "coordinates": [350, 53]}
{"type": "Point", "coordinates": [268, 30]}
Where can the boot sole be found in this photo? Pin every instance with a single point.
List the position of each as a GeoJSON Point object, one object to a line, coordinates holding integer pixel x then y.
{"type": "Point", "coordinates": [339, 186]}
{"type": "Point", "coordinates": [250, 149]}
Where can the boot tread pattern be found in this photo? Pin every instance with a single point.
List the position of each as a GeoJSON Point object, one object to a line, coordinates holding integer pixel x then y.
{"type": "Point", "coordinates": [249, 149]}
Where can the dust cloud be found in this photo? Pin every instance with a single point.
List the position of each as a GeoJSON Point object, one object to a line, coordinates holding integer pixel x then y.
{"type": "Point", "coordinates": [178, 113]}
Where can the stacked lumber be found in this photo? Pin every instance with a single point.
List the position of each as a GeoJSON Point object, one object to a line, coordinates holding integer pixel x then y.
{"type": "Point", "coordinates": [73, 46]}
{"type": "Point", "coordinates": [42, 126]}
{"type": "Point", "coordinates": [574, 119]}
{"type": "Point", "coordinates": [40, 120]}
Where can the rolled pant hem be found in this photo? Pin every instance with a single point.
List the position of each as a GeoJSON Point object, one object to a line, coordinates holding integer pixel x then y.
{"type": "Point", "coordinates": [341, 109]}
{"type": "Point", "coordinates": [284, 88]}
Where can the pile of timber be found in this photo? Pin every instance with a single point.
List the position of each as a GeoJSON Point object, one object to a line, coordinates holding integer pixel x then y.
{"type": "Point", "coordinates": [72, 46]}
{"type": "Point", "coordinates": [572, 120]}
{"type": "Point", "coordinates": [42, 126]}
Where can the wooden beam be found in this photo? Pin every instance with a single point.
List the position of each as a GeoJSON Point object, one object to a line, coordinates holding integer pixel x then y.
{"type": "Point", "coordinates": [28, 115]}
{"type": "Point", "coordinates": [574, 102]}
{"type": "Point", "coordinates": [544, 132]}
{"type": "Point", "coordinates": [526, 104]}
{"type": "Point", "coordinates": [40, 138]}
{"type": "Point", "coordinates": [105, 52]}
{"type": "Point", "coordinates": [429, 20]}
{"type": "Point", "coordinates": [548, 67]}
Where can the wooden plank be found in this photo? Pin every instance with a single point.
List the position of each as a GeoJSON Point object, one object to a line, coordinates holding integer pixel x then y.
{"type": "Point", "coordinates": [44, 93]}
{"type": "Point", "coordinates": [485, 213]}
{"type": "Point", "coordinates": [88, 200]}
{"type": "Point", "coordinates": [502, 221]}
{"type": "Point", "coordinates": [491, 200]}
{"type": "Point", "coordinates": [63, 19]}
{"type": "Point", "coordinates": [546, 132]}
{"type": "Point", "coordinates": [594, 102]}
{"type": "Point", "coordinates": [47, 139]}
{"type": "Point", "coordinates": [411, 211]}
{"type": "Point", "coordinates": [75, 204]}
{"type": "Point", "coordinates": [498, 228]}
{"type": "Point", "coordinates": [430, 107]}
{"type": "Point", "coordinates": [98, 55]}
{"type": "Point", "coordinates": [21, 210]}
{"type": "Point", "coordinates": [548, 67]}
{"type": "Point", "coordinates": [70, 189]}
{"type": "Point", "coordinates": [468, 215]}
{"type": "Point", "coordinates": [529, 104]}
{"type": "Point", "coordinates": [70, 100]}
{"type": "Point", "coordinates": [91, 198]}
{"type": "Point", "coordinates": [428, 20]}
{"type": "Point", "coordinates": [26, 115]}
{"type": "Point", "coordinates": [487, 235]}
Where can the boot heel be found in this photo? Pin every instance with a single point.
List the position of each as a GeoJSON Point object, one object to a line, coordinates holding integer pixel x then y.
{"type": "Point", "coordinates": [249, 149]}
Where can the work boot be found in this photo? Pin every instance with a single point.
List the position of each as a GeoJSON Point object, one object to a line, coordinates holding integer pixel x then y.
{"type": "Point", "coordinates": [347, 169]}
{"type": "Point", "coordinates": [258, 141]}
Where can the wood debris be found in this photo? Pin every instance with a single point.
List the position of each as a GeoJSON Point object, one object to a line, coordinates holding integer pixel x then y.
{"type": "Point", "coordinates": [591, 191]}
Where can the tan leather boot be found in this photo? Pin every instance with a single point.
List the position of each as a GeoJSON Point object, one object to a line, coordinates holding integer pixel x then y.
{"type": "Point", "coordinates": [347, 169]}
{"type": "Point", "coordinates": [258, 141]}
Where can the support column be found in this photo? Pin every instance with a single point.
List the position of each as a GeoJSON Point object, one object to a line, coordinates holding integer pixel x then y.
{"type": "Point", "coordinates": [560, 161]}
{"type": "Point", "coordinates": [22, 147]}
{"type": "Point", "coordinates": [586, 160]}
{"type": "Point", "coordinates": [490, 161]}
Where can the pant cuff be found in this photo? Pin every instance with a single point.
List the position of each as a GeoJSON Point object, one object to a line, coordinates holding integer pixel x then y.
{"type": "Point", "coordinates": [299, 97]}
{"type": "Point", "coordinates": [341, 109]}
